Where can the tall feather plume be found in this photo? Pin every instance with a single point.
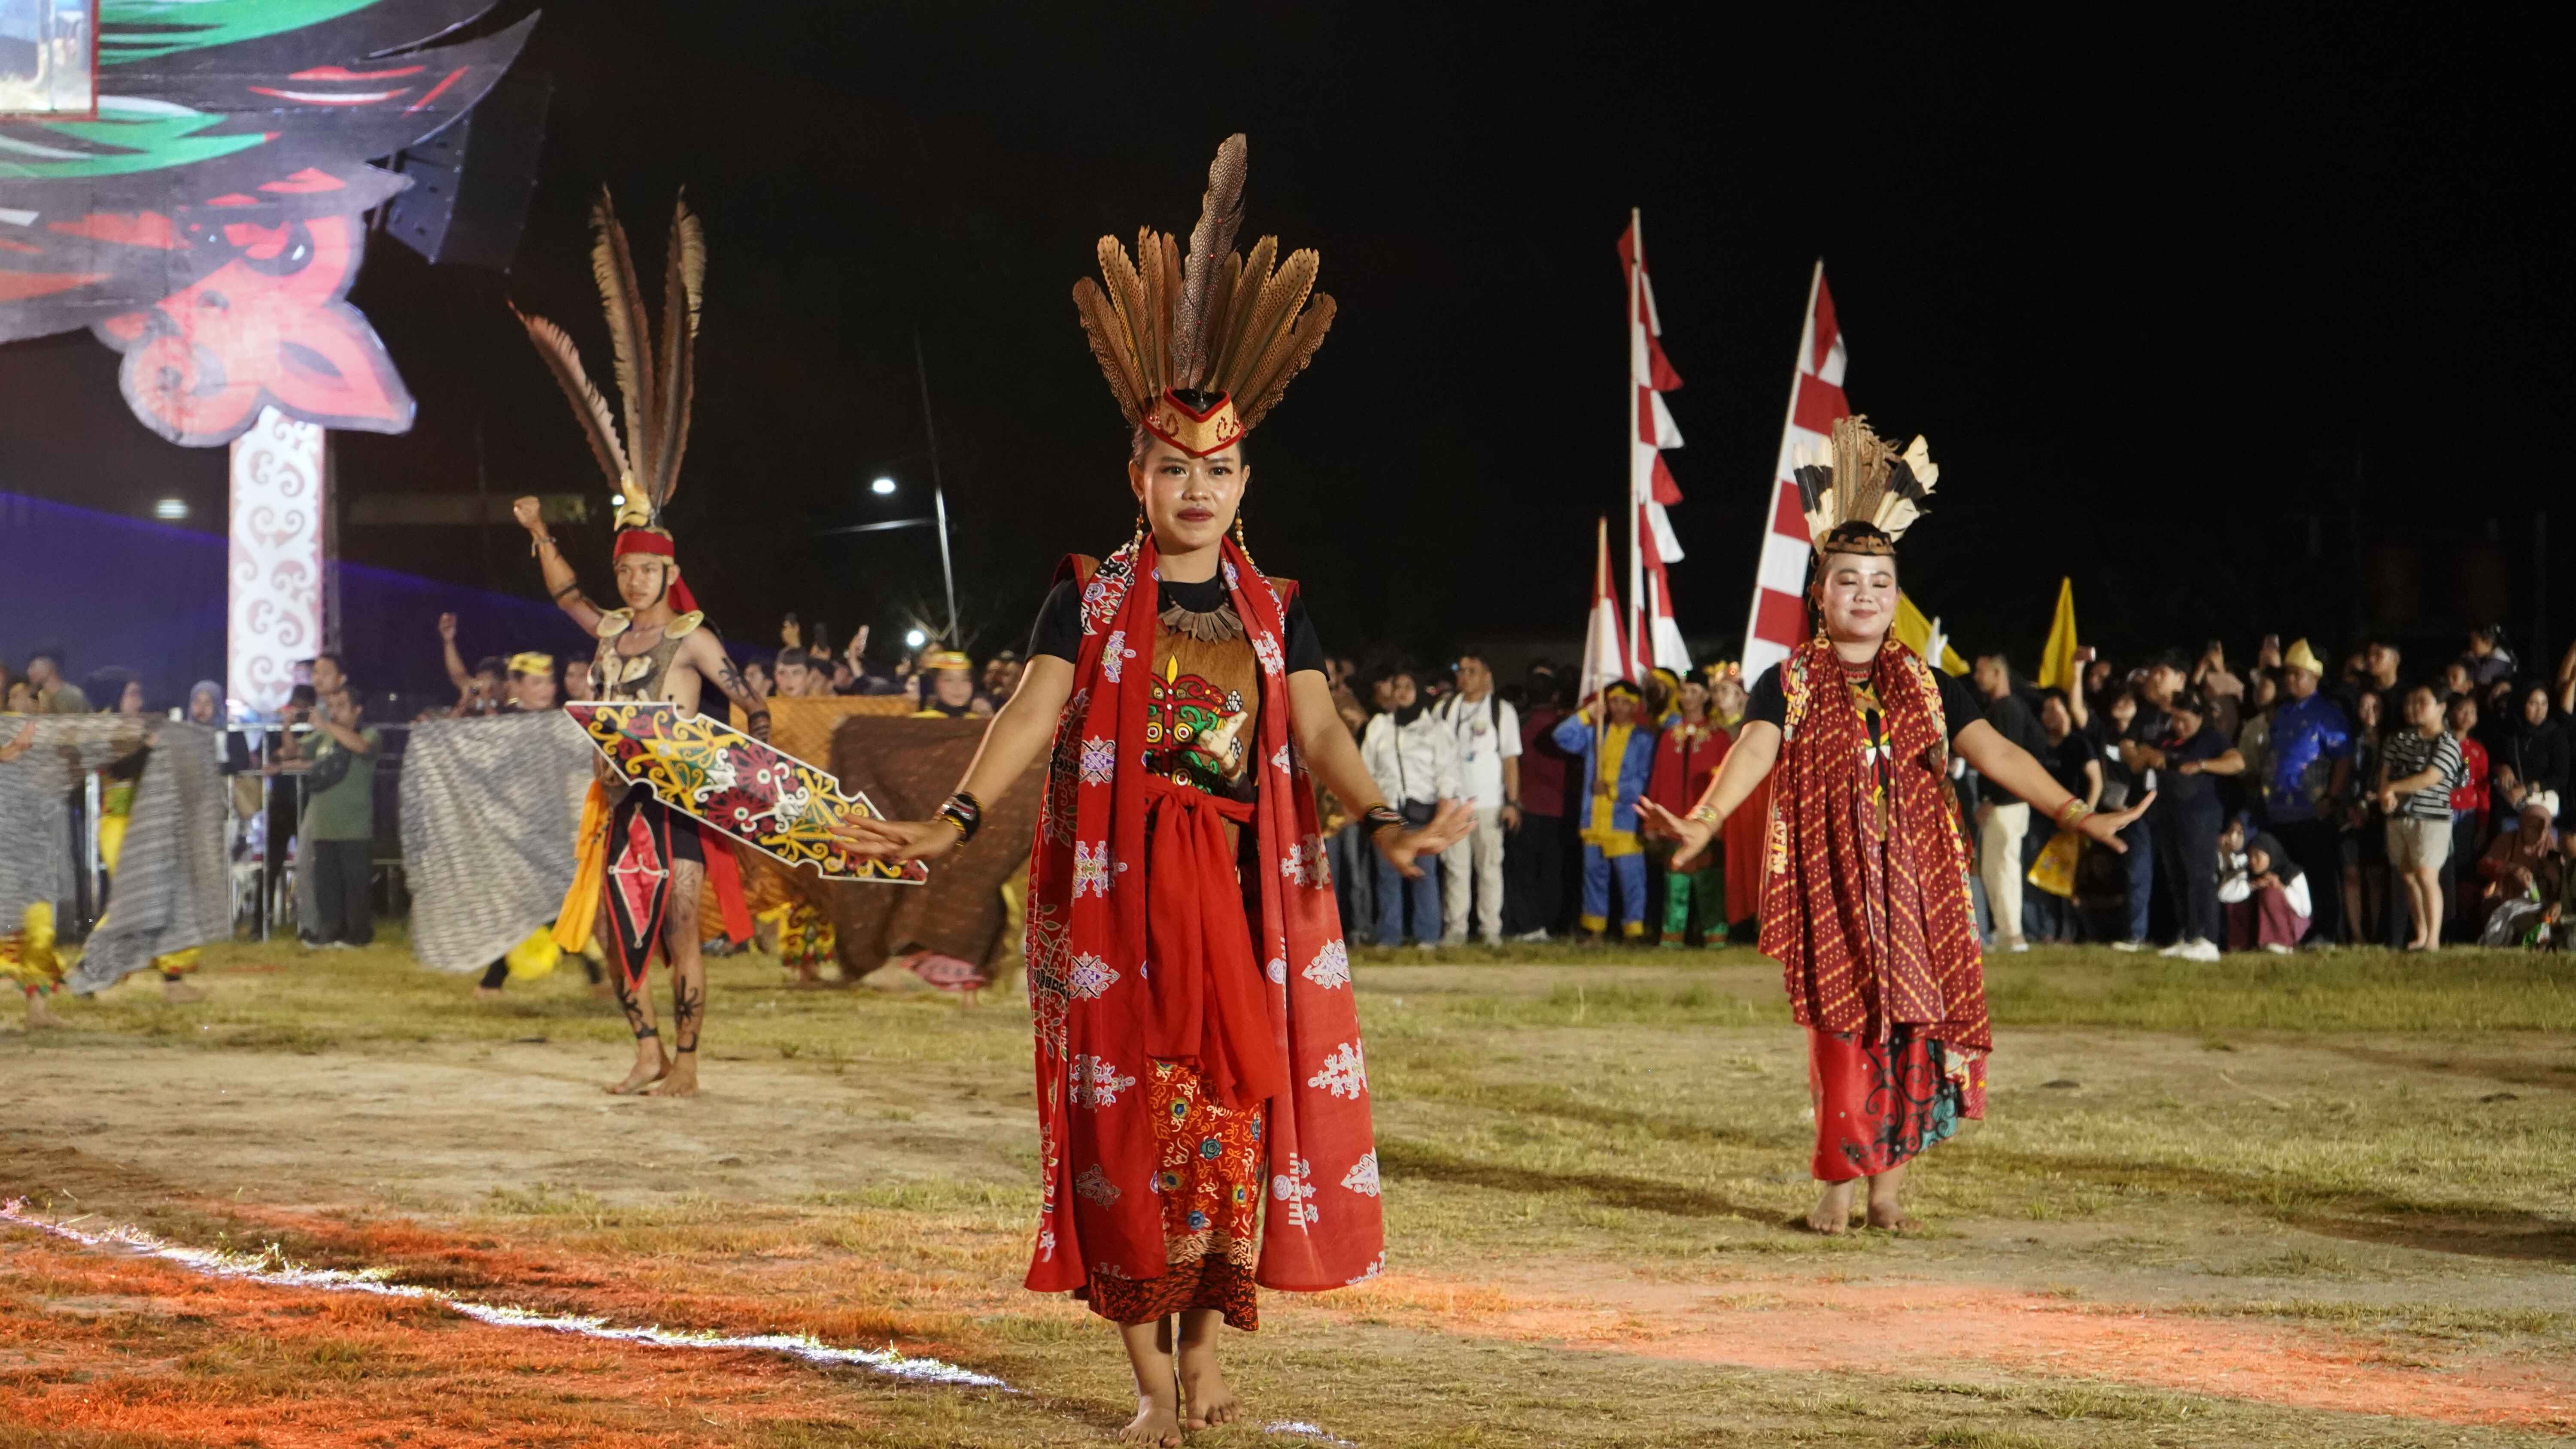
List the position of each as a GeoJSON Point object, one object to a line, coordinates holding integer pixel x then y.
{"type": "Point", "coordinates": [630, 334]}
{"type": "Point", "coordinates": [1203, 275]}
{"type": "Point", "coordinates": [692, 241]}
{"type": "Point", "coordinates": [676, 370]}
{"type": "Point", "coordinates": [1154, 333]}
{"type": "Point", "coordinates": [1246, 295]}
{"type": "Point", "coordinates": [1274, 308]}
{"type": "Point", "coordinates": [588, 407]}
{"type": "Point", "coordinates": [1111, 346]}
{"type": "Point", "coordinates": [1296, 348]}
{"type": "Point", "coordinates": [1171, 249]}
{"type": "Point", "coordinates": [1228, 276]}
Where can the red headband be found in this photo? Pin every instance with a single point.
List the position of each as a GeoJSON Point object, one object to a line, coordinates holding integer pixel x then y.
{"type": "Point", "coordinates": [645, 540]}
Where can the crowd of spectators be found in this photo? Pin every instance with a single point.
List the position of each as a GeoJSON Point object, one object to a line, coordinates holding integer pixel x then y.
{"type": "Point", "coordinates": [308, 776]}
{"type": "Point", "coordinates": [2296, 803]}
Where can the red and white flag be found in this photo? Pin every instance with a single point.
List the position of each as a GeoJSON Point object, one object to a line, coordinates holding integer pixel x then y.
{"type": "Point", "coordinates": [1778, 623]}
{"type": "Point", "coordinates": [1605, 653]}
{"type": "Point", "coordinates": [1651, 543]}
{"type": "Point", "coordinates": [1664, 645]}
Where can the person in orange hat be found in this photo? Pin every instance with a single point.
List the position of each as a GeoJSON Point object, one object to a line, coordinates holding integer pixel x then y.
{"type": "Point", "coordinates": [949, 688]}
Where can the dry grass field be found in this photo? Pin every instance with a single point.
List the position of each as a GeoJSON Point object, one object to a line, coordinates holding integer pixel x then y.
{"type": "Point", "coordinates": [2315, 1201]}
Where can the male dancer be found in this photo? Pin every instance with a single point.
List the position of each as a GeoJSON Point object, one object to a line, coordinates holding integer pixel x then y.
{"type": "Point", "coordinates": [642, 863]}
{"type": "Point", "coordinates": [650, 650]}
{"type": "Point", "coordinates": [1865, 885]}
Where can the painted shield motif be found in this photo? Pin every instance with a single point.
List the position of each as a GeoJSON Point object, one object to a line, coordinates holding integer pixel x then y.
{"type": "Point", "coordinates": [773, 802]}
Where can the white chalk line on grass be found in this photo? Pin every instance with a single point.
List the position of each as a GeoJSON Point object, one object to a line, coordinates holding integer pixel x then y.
{"type": "Point", "coordinates": [270, 1268]}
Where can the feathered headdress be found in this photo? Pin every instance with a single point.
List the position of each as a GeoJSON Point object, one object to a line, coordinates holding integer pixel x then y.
{"type": "Point", "coordinates": [656, 375]}
{"type": "Point", "coordinates": [1198, 350]}
{"type": "Point", "coordinates": [1862, 494]}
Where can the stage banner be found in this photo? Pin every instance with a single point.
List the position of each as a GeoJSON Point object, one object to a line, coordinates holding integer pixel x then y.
{"type": "Point", "coordinates": [274, 573]}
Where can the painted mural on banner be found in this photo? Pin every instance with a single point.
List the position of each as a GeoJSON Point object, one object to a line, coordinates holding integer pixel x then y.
{"type": "Point", "coordinates": [207, 219]}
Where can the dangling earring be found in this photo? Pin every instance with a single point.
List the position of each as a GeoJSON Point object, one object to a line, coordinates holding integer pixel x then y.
{"type": "Point", "coordinates": [1238, 534]}
{"type": "Point", "coordinates": [1137, 544]}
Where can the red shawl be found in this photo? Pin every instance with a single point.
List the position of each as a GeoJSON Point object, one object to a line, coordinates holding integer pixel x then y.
{"type": "Point", "coordinates": [1867, 939]}
{"type": "Point", "coordinates": [1102, 1011]}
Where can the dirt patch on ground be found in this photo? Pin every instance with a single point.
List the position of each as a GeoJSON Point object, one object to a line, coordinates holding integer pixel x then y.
{"type": "Point", "coordinates": [448, 1128]}
{"type": "Point", "coordinates": [1910, 1328]}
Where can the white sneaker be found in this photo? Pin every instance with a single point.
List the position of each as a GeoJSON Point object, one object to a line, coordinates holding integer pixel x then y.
{"type": "Point", "coordinates": [2179, 948]}
{"type": "Point", "coordinates": [1532, 936]}
{"type": "Point", "coordinates": [2198, 950]}
{"type": "Point", "coordinates": [2128, 945]}
{"type": "Point", "coordinates": [2018, 947]}
{"type": "Point", "coordinates": [2276, 948]}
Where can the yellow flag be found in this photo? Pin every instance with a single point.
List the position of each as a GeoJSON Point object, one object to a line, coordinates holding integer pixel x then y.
{"type": "Point", "coordinates": [1915, 632]}
{"type": "Point", "coordinates": [2057, 656]}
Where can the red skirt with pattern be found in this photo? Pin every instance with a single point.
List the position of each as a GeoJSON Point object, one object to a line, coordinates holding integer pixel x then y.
{"type": "Point", "coordinates": [1880, 1103]}
{"type": "Point", "coordinates": [1210, 1184]}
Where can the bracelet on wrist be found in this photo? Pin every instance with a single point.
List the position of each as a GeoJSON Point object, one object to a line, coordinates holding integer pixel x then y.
{"type": "Point", "coordinates": [2072, 811]}
{"type": "Point", "coordinates": [1704, 814]}
{"type": "Point", "coordinates": [963, 811]}
{"type": "Point", "coordinates": [1379, 817]}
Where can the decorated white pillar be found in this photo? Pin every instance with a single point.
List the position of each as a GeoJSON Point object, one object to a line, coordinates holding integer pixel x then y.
{"type": "Point", "coordinates": [275, 573]}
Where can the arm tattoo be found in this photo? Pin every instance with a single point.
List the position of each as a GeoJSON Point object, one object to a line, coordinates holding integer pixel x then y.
{"type": "Point", "coordinates": [755, 711]}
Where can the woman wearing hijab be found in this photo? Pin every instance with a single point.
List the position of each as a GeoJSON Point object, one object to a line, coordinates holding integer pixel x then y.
{"type": "Point", "coordinates": [2274, 914]}
{"type": "Point", "coordinates": [2534, 743]}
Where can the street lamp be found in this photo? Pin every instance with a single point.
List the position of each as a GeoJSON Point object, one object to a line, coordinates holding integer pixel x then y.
{"type": "Point", "coordinates": [883, 488]}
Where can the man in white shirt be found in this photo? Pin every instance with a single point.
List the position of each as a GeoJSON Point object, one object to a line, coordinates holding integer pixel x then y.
{"type": "Point", "coordinates": [1488, 736]}
{"type": "Point", "coordinates": [1415, 763]}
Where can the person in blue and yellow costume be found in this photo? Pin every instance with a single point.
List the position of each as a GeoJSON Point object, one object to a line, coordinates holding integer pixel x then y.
{"type": "Point", "coordinates": [1618, 757]}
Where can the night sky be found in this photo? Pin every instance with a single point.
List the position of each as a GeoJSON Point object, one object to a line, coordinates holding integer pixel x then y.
{"type": "Point", "coordinates": [2245, 324]}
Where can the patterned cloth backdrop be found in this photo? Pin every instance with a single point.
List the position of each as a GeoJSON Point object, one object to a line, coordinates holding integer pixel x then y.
{"type": "Point", "coordinates": [172, 891]}
{"type": "Point", "coordinates": [489, 808]}
{"type": "Point", "coordinates": [35, 803]}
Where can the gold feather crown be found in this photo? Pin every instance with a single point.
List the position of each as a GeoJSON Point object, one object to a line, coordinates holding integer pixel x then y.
{"type": "Point", "coordinates": [656, 374]}
{"type": "Point", "coordinates": [1197, 350]}
{"type": "Point", "coordinates": [1859, 493]}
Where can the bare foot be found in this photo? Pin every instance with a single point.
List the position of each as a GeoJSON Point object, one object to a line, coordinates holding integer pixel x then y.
{"type": "Point", "coordinates": [650, 1067]}
{"type": "Point", "coordinates": [1157, 1422]}
{"type": "Point", "coordinates": [679, 1080]}
{"type": "Point", "coordinates": [487, 993]}
{"type": "Point", "coordinates": [1889, 1217]}
{"type": "Point", "coordinates": [40, 1015]}
{"type": "Point", "coordinates": [1209, 1400]}
{"type": "Point", "coordinates": [180, 993]}
{"type": "Point", "coordinates": [1832, 1214]}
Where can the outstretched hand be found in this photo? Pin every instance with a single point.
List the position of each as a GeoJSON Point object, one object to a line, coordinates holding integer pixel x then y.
{"type": "Point", "coordinates": [2104, 829]}
{"type": "Point", "coordinates": [1402, 845]}
{"type": "Point", "coordinates": [1691, 837]}
{"type": "Point", "coordinates": [892, 842]}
